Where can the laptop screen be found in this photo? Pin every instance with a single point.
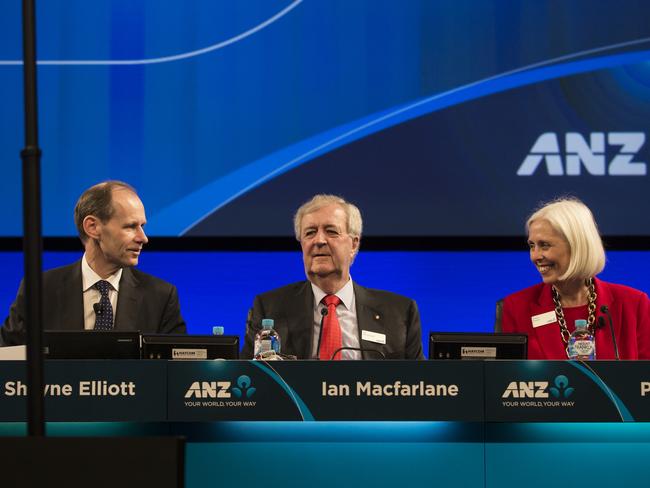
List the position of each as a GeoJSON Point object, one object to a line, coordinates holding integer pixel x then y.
{"type": "Point", "coordinates": [91, 344]}
{"type": "Point", "coordinates": [183, 347]}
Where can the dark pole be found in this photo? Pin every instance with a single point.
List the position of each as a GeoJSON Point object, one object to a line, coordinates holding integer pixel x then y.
{"type": "Point", "coordinates": [32, 240]}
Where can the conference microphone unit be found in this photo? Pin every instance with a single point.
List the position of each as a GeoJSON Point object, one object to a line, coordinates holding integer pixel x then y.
{"type": "Point", "coordinates": [362, 350]}
{"type": "Point", "coordinates": [97, 308]}
{"type": "Point", "coordinates": [605, 309]}
{"type": "Point", "coordinates": [323, 313]}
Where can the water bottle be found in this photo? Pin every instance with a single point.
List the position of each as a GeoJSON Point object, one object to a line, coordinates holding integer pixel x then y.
{"type": "Point", "coordinates": [266, 340]}
{"type": "Point", "coordinates": [582, 344]}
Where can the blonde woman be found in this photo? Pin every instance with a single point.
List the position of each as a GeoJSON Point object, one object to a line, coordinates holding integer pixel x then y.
{"type": "Point", "coordinates": [567, 250]}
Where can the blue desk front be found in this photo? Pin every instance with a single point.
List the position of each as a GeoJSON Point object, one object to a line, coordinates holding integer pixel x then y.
{"type": "Point", "coordinates": [457, 424]}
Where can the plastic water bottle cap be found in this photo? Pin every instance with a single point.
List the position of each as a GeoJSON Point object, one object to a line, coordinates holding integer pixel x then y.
{"type": "Point", "coordinates": [581, 323]}
{"type": "Point", "coordinates": [267, 323]}
{"type": "Point", "coordinates": [217, 330]}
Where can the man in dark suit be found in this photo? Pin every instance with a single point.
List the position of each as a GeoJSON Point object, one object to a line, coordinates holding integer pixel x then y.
{"type": "Point", "coordinates": [357, 322]}
{"type": "Point", "coordinates": [103, 290]}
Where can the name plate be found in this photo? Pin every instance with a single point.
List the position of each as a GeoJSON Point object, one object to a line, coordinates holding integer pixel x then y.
{"type": "Point", "coordinates": [567, 391]}
{"type": "Point", "coordinates": [89, 391]}
{"type": "Point", "coordinates": [332, 390]}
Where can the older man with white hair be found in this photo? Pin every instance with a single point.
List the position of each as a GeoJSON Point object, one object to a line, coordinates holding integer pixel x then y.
{"type": "Point", "coordinates": [329, 316]}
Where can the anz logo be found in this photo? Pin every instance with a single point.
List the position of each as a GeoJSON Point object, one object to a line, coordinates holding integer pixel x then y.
{"type": "Point", "coordinates": [209, 389]}
{"type": "Point", "coordinates": [579, 154]}
{"type": "Point", "coordinates": [539, 389]}
{"type": "Point", "coordinates": [221, 389]}
{"type": "Point", "coordinates": [526, 389]}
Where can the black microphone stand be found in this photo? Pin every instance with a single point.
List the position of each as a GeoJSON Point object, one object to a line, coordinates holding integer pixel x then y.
{"type": "Point", "coordinates": [32, 239]}
{"type": "Point", "coordinates": [605, 309]}
{"type": "Point", "coordinates": [323, 313]}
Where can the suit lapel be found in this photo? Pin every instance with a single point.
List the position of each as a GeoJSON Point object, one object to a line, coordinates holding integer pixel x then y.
{"type": "Point", "coordinates": [369, 318]}
{"type": "Point", "coordinates": [69, 296]}
{"type": "Point", "coordinates": [128, 302]}
{"type": "Point", "coordinates": [547, 336]}
{"type": "Point", "coordinates": [303, 310]}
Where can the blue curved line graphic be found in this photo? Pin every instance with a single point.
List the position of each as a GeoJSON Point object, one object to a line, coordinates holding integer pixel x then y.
{"type": "Point", "coordinates": [624, 413]}
{"type": "Point", "coordinates": [164, 59]}
{"type": "Point", "coordinates": [188, 211]}
{"type": "Point", "coordinates": [302, 408]}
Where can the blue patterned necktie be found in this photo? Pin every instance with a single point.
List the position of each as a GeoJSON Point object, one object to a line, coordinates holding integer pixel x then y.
{"type": "Point", "coordinates": [103, 313]}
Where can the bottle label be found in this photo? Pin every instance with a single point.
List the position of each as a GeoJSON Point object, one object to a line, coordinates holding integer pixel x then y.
{"type": "Point", "coordinates": [266, 345]}
{"type": "Point", "coordinates": [583, 348]}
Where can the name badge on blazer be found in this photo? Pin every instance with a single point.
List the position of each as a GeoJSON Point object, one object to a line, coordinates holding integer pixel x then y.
{"type": "Point", "coordinates": [544, 318]}
{"type": "Point", "coordinates": [375, 337]}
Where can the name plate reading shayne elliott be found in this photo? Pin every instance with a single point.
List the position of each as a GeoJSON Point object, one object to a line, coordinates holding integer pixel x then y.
{"type": "Point", "coordinates": [88, 391]}
{"type": "Point", "coordinates": [96, 388]}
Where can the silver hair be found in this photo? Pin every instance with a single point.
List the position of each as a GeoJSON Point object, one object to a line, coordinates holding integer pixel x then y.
{"type": "Point", "coordinates": [354, 224]}
{"type": "Point", "coordinates": [575, 222]}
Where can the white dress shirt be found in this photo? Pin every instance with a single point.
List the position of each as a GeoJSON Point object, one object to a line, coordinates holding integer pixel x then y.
{"type": "Point", "coordinates": [92, 294]}
{"type": "Point", "coordinates": [346, 312]}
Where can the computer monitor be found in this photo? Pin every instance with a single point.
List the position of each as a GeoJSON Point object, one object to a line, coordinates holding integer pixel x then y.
{"type": "Point", "coordinates": [477, 345]}
{"type": "Point", "coordinates": [183, 347]}
{"type": "Point", "coordinates": [91, 344]}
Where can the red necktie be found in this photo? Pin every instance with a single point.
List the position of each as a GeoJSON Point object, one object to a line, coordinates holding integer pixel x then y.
{"type": "Point", "coordinates": [331, 334]}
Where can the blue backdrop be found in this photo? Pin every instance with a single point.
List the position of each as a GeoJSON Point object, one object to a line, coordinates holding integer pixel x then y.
{"type": "Point", "coordinates": [456, 291]}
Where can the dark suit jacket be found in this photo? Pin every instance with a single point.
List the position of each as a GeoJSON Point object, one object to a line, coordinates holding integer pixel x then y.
{"type": "Point", "coordinates": [292, 309]}
{"type": "Point", "coordinates": [144, 303]}
{"type": "Point", "coordinates": [630, 310]}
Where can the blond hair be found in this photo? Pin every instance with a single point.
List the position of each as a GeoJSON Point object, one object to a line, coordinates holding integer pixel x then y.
{"type": "Point", "coordinates": [575, 222]}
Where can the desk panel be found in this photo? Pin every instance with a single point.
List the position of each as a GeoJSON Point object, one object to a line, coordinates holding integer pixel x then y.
{"type": "Point", "coordinates": [539, 455]}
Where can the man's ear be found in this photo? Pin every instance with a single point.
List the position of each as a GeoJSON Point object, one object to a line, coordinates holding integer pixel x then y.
{"type": "Point", "coordinates": [92, 227]}
{"type": "Point", "coordinates": [355, 244]}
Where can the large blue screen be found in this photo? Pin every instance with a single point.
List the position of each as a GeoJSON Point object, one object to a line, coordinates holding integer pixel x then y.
{"type": "Point", "coordinates": [438, 117]}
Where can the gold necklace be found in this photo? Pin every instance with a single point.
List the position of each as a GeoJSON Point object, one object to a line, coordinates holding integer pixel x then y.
{"type": "Point", "coordinates": [591, 309]}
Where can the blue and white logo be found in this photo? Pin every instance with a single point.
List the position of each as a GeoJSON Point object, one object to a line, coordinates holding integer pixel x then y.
{"type": "Point", "coordinates": [590, 157]}
{"type": "Point", "coordinates": [561, 388]}
{"type": "Point", "coordinates": [243, 388]}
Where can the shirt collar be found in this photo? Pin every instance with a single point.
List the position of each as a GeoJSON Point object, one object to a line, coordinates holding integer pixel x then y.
{"type": "Point", "coordinates": [89, 277]}
{"type": "Point", "coordinates": [346, 294]}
